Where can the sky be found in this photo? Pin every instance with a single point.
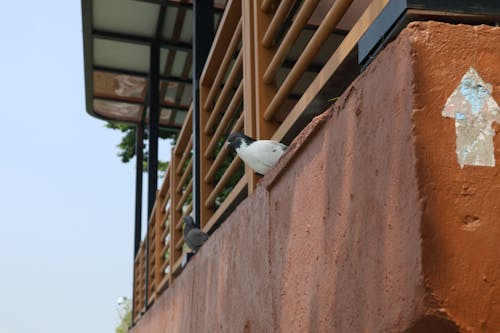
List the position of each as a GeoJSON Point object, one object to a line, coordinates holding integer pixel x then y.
{"type": "Point", "coordinates": [66, 200]}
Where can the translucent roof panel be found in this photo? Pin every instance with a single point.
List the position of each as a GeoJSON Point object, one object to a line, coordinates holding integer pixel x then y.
{"type": "Point", "coordinates": [187, 27]}
{"type": "Point", "coordinates": [133, 17]}
{"type": "Point", "coordinates": [187, 94]}
{"type": "Point", "coordinates": [179, 118]}
{"type": "Point", "coordinates": [168, 27]}
{"type": "Point", "coordinates": [171, 89]}
{"type": "Point", "coordinates": [119, 85]}
{"type": "Point", "coordinates": [163, 59]}
{"type": "Point", "coordinates": [179, 61]}
{"type": "Point", "coordinates": [114, 54]}
{"type": "Point", "coordinates": [117, 110]}
{"type": "Point", "coordinates": [166, 116]}
{"type": "Point", "coordinates": [118, 35]}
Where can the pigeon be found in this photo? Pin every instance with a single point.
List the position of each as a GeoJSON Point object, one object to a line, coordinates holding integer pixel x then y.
{"type": "Point", "coordinates": [260, 155]}
{"type": "Point", "coordinates": [193, 237]}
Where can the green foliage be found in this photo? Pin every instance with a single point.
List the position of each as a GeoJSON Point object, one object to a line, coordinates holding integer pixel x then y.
{"type": "Point", "coordinates": [125, 316]}
{"type": "Point", "coordinates": [126, 147]}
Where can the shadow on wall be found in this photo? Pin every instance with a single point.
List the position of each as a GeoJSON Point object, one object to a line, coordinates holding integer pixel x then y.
{"type": "Point", "coordinates": [433, 324]}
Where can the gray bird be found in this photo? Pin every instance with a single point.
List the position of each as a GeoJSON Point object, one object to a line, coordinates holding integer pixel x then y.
{"type": "Point", "coordinates": [193, 237]}
{"type": "Point", "coordinates": [260, 155]}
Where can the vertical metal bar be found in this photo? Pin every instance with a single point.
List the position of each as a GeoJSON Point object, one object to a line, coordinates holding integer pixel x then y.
{"type": "Point", "coordinates": [139, 135]}
{"type": "Point", "coordinates": [203, 35]}
{"type": "Point", "coordinates": [154, 118]}
{"type": "Point", "coordinates": [139, 157]}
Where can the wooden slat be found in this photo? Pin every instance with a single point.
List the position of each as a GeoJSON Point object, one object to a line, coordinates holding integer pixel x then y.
{"type": "Point", "coordinates": [235, 164]}
{"type": "Point", "coordinates": [164, 200]}
{"type": "Point", "coordinates": [240, 186]}
{"type": "Point", "coordinates": [257, 94]}
{"type": "Point", "coordinates": [153, 214]}
{"type": "Point", "coordinates": [185, 133]}
{"type": "Point", "coordinates": [165, 264]}
{"type": "Point", "coordinates": [174, 214]}
{"type": "Point", "coordinates": [179, 243]}
{"type": "Point", "coordinates": [267, 5]}
{"type": "Point", "coordinates": [177, 265]}
{"type": "Point", "coordinates": [276, 22]}
{"type": "Point", "coordinates": [347, 45]}
{"type": "Point", "coordinates": [231, 109]}
{"type": "Point", "coordinates": [229, 20]}
{"type": "Point", "coordinates": [215, 86]}
{"type": "Point", "coordinates": [185, 154]}
{"type": "Point", "coordinates": [165, 233]}
{"type": "Point", "coordinates": [163, 283]}
{"type": "Point", "coordinates": [249, 45]}
{"type": "Point", "coordinates": [151, 299]}
{"type": "Point", "coordinates": [189, 209]}
{"type": "Point", "coordinates": [205, 188]}
{"type": "Point", "coordinates": [325, 29]}
{"type": "Point", "coordinates": [166, 183]}
{"type": "Point", "coordinates": [160, 242]}
{"type": "Point", "coordinates": [228, 88]}
{"type": "Point", "coordinates": [185, 175]}
{"type": "Point", "coordinates": [184, 196]}
{"type": "Point", "coordinates": [178, 225]}
{"type": "Point", "coordinates": [166, 213]}
{"type": "Point", "coordinates": [291, 36]}
{"type": "Point", "coordinates": [222, 154]}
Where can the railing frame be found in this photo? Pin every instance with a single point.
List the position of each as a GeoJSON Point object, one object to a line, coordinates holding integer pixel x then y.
{"type": "Point", "coordinates": [254, 26]}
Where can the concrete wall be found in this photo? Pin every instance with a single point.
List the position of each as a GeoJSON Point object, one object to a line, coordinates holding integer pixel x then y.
{"type": "Point", "coordinates": [364, 224]}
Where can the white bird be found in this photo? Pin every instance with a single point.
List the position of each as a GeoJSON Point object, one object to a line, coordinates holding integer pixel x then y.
{"type": "Point", "coordinates": [260, 155]}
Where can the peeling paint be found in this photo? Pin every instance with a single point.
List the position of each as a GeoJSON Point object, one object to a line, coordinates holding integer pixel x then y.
{"type": "Point", "coordinates": [474, 111]}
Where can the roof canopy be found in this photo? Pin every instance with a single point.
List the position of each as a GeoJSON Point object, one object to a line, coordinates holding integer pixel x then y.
{"type": "Point", "coordinates": [117, 39]}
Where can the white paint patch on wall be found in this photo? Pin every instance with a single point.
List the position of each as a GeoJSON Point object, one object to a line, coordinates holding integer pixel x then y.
{"type": "Point", "coordinates": [474, 111]}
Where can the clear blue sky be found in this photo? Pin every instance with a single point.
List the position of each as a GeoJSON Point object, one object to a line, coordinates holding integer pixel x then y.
{"type": "Point", "coordinates": [66, 213]}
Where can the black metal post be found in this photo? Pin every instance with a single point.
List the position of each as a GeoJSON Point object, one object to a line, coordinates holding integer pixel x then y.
{"type": "Point", "coordinates": [203, 36]}
{"type": "Point", "coordinates": [154, 119]}
{"type": "Point", "coordinates": [139, 136]}
{"type": "Point", "coordinates": [139, 156]}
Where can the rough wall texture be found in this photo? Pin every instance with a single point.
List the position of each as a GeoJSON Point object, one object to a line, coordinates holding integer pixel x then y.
{"type": "Point", "coordinates": [364, 224]}
{"type": "Point", "coordinates": [461, 212]}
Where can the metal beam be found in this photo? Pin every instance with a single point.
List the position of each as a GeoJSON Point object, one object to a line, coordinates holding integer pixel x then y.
{"type": "Point", "coordinates": [136, 39]}
{"type": "Point", "coordinates": [153, 129]}
{"type": "Point", "coordinates": [203, 35]}
{"type": "Point", "coordinates": [175, 4]}
{"type": "Point", "coordinates": [118, 71]}
{"type": "Point", "coordinates": [175, 107]}
{"type": "Point", "coordinates": [160, 22]}
{"type": "Point", "coordinates": [139, 157]}
{"type": "Point", "coordinates": [139, 134]}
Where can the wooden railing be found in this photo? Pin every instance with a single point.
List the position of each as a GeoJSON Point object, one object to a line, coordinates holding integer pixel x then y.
{"type": "Point", "coordinates": [221, 112]}
{"type": "Point", "coordinates": [255, 80]}
{"type": "Point", "coordinates": [139, 282]}
{"type": "Point", "coordinates": [252, 82]}
{"type": "Point", "coordinates": [165, 241]}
